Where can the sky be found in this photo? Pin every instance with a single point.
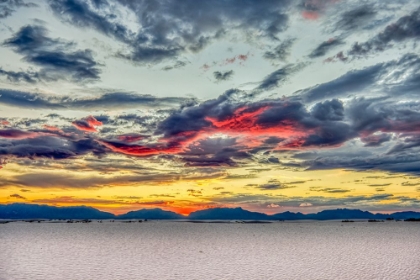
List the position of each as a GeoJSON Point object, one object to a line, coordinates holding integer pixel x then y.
{"type": "Point", "coordinates": [272, 106]}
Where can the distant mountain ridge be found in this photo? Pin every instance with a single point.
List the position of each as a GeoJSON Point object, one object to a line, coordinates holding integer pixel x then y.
{"type": "Point", "coordinates": [155, 213]}
{"type": "Point", "coordinates": [34, 211]}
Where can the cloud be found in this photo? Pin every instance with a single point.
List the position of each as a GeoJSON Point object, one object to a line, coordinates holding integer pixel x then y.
{"type": "Point", "coordinates": [272, 205]}
{"type": "Point", "coordinates": [8, 7]}
{"type": "Point", "coordinates": [17, 196]}
{"type": "Point", "coordinates": [405, 28]}
{"type": "Point", "coordinates": [72, 200]}
{"type": "Point", "coordinates": [309, 201]}
{"type": "Point", "coordinates": [313, 9]}
{"type": "Point", "coordinates": [49, 146]}
{"type": "Point", "coordinates": [87, 124]}
{"type": "Point", "coordinates": [410, 184]}
{"type": "Point", "coordinates": [355, 18]}
{"type": "Point", "coordinates": [279, 76]}
{"type": "Point", "coordinates": [330, 110]}
{"type": "Point", "coordinates": [379, 185]}
{"type": "Point", "coordinates": [280, 52]}
{"type": "Point", "coordinates": [214, 152]}
{"type": "Point", "coordinates": [55, 57]}
{"type": "Point", "coordinates": [113, 100]}
{"type": "Point", "coordinates": [195, 193]}
{"type": "Point", "coordinates": [16, 77]}
{"type": "Point", "coordinates": [305, 204]}
{"type": "Point", "coordinates": [253, 130]}
{"type": "Point", "coordinates": [274, 184]}
{"type": "Point", "coordinates": [401, 163]}
{"type": "Point", "coordinates": [74, 180]}
{"type": "Point", "coordinates": [17, 134]}
{"type": "Point", "coordinates": [168, 35]}
{"type": "Point", "coordinates": [223, 76]}
{"type": "Point", "coordinates": [178, 64]}
{"type": "Point", "coordinates": [131, 137]}
{"type": "Point", "coordinates": [329, 190]}
{"type": "Point", "coordinates": [352, 82]}
{"type": "Point", "coordinates": [392, 78]}
{"type": "Point", "coordinates": [325, 47]}
{"type": "Point", "coordinates": [375, 140]}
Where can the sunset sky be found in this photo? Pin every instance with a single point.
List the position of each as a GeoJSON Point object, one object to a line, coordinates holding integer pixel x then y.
{"type": "Point", "coordinates": [272, 106]}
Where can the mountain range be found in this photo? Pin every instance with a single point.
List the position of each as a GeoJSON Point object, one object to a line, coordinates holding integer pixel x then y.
{"type": "Point", "coordinates": [35, 211]}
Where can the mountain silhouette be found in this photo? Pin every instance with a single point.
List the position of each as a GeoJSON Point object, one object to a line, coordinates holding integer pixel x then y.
{"type": "Point", "coordinates": [34, 211]}
{"type": "Point", "coordinates": [153, 214]}
{"type": "Point", "coordinates": [227, 214]}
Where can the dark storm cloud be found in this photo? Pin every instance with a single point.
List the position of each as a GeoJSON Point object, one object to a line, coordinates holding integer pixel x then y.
{"type": "Point", "coordinates": [224, 157]}
{"type": "Point", "coordinates": [372, 120]}
{"type": "Point", "coordinates": [352, 82]}
{"type": "Point", "coordinates": [400, 163]}
{"type": "Point", "coordinates": [87, 14]}
{"type": "Point", "coordinates": [332, 110]}
{"type": "Point", "coordinates": [330, 134]}
{"type": "Point", "coordinates": [55, 57]}
{"type": "Point", "coordinates": [253, 127]}
{"type": "Point", "coordinates": [168, 33]}
{"type": "Point", "coordinates": [393, 78]}
{"type": "Point", "coordinates": [375, 140]}
{"type": "Point", "coordinates": [223, 76]}
{"type": "Point", "coordinates": [261, 118]}
{"type": "Point", "coordinates": [108, 100]}
{"type": "Point", "coordinates": [405, 28]}
{"type": "Point", "coordinates": [214, 152]}
{"type": "Point", "coordinates": [8, 7]}
{"type": "Point", "coordinates": [325, 47]}
{"type": "Point", "coordinates": [194, 118]}
{"type": "Point", "coordinates": [403, 77]}
{"type": "Point", "coordinates": [52, 145]}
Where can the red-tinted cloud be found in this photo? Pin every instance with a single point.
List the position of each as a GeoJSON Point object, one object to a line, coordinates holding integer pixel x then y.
{"type": "Point", "coordinates": [139, 150]}
{"type": "Point", "coordinates": [339, 56]}
{"type": "Point", "coordinates": [17, 134]}
{"type": "Point", "coordinates": [51, 128]}
{"type": "Point", "coordinates": [129, 138]}
{"type": "Point", "coordinates": [310, 15]}
{"type": "Point", "coordinates": [4, 122]}
{"type": "Point", "coordinates": [241, 58]}
{"type": "Point", "coordinates": [245, 121]}
{"type": "Point", "coordinates": [312, 9]}
{"type": "Point", "coordinates": [87, 124]}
